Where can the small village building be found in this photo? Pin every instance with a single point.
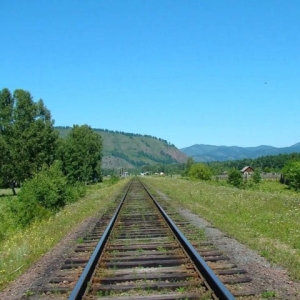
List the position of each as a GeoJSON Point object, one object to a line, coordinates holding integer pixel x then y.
{"type": "Point", "coordinates": [145, 173]}
{"type": "Point", "coordinates": [247, 171]}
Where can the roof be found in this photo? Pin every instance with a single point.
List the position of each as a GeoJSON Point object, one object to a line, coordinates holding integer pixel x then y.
{"type": "Point", "coordinates": [245, 168]}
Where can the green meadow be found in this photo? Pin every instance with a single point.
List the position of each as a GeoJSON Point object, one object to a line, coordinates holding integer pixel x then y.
{"type": "Point", "coordinates": [266, 218]}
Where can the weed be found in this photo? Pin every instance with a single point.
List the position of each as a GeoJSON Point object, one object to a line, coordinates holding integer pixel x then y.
{"type": "Point", "coordinates": [181, 289]}
{"type": "Point", "coordinates": [268, 294]}
{"type": "Point", "coordinates": [162, 249]}
{"type": "Point", "coordinates": [28, 293]}
{"type": "Point", "coordinates": [80, 240]}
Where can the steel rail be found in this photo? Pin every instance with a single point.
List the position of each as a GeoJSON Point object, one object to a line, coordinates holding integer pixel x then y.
{"type": "Point", "coordinates": [86, 275]}
{"type": "Point", "coordinates": [213, 281]}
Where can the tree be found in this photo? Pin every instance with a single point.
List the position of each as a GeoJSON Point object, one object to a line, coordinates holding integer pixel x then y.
{"type": "Point", "coordinates": [28, 136]}
{"type": "Point", "coordinates": [256, 177]}
{"type": "Point", "coordinates": [81, 153]}
{"type": "Point", "coordinates": [291, 174]}
{"type": "Point", "coordinates": [200, 171]}
{"type": "Point", "coordinates": [188, 165]}
{"type": "Point", "coordinates": [235, 178]}
{"type": "Point", "coordinates": [6, 111]}
{"type": "Point", "coordinates": [6, 124]}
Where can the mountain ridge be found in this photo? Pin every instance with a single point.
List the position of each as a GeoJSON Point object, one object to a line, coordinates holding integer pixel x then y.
{"type": "Point", "coordinates": [129, 150]}
{"type": "Point", "coordinates": [207, 153]}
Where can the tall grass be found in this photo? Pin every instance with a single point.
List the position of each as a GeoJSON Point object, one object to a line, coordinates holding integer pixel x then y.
{"type": "Point", "coordinates": [267, 220]}
{"type": "Point", "coordinates": [25, 246]}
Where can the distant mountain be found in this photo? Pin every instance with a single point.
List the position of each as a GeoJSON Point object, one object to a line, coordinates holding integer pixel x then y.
{"type": "Point", "coordinates": [128, 150]}
{"type": "Point", "coordinates": [206, 153]}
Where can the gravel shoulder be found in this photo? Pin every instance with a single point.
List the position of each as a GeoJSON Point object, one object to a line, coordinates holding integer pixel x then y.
{"type": "Point", "coordinates": [265, 276]}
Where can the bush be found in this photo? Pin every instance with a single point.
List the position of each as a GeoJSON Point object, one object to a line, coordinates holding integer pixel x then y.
{"type": "Point", "coordinates": [44, 194]}
{"type": "Point", "coordinates": [256, 177]}
{"type": "Point", "coordinates": [200, 171]}
{"type": "Point", "coordinates": [27, 210]}
{"type": "Point", "coordinates": [6, 222]}
{"type": "Point", "coordinates": [113, 179]}
{"type": "Point", "coordinates": [235, 178]}
{"type": "Point", "coordinates": [48, 187]}
{"type": "Point", "coordinates": [291, 174]}
{"type": "Point", "coordinates": [74, 192]}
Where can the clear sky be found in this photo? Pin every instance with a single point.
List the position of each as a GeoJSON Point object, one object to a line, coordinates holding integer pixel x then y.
{"type": "Point", "coordinates": [218, 72]}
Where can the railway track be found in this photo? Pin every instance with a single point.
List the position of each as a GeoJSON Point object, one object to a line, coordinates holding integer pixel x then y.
{"type": "Point", "coordinates": [142, 250]}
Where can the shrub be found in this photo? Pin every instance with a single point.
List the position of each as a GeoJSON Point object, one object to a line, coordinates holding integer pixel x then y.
{"type": "Point", "coordinates": [44, 194]}
{"type": "Point", "coordinates": [48, 187]}
{"type": "Point", "coordinates": [291, 174]}
{"type": "Point", "coordinates": [200, 171]}
{"type": "Point", "coordinates": [5, 222]}
{"type": "Point", "coordinates": [113, 179]}
{"type": "Point", "coordinates": [256, 177]}
{"type": "Point", "coordinates": [74, 192]}
{"type": "Point", "coordinates": [235, 178]}
{"type": "Point", "coordinates": [28, 210]}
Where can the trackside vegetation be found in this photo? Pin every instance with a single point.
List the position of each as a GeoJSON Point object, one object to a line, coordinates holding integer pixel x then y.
{"type": "Point", "coordinates": [50, 171]}
{"type": "Point", "coordinates": [266, 218]}
{"type": "Point", "coordinates": [25, 245]}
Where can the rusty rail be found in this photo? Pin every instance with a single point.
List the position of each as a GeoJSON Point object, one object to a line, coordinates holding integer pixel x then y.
{"type": "Point", "coordinates": [217, 287]}
{"type": "Point", "coordinates": [144, 249]}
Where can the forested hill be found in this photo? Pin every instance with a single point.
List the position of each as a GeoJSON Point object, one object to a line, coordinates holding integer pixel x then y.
{"type": "Point", "coordinates": [208, 153]}
{"type": "Point", "coordinates": [128, 150]}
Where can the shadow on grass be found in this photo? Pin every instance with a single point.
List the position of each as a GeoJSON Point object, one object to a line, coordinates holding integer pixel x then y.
{"type": "Point", "coordinates": [8, 193]}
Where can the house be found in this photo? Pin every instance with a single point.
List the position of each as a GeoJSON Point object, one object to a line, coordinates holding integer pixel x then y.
{"type": "Point", "coordinates": [145, 173]}
{"type": "Point", "coordinates": [247, 171]}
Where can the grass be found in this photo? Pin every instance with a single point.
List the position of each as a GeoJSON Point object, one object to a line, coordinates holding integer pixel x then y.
{"type": "Point", "coordinates": [266, 219]}
{"type": "Point", "coordinates": [24, 247]}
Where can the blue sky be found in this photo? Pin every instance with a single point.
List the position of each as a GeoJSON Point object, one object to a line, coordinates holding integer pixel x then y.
{"type": "Point", "coordinates": [218, 72]}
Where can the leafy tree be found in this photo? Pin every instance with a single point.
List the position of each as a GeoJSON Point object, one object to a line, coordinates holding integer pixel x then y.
{"type": "Point", "coordinates": [200, 171]}
{"type": "Point", "coordinates": [6, 111]}
{"type": "Point", "coordinates": [256, 177]}
{"type": "Point", "coordinates": [235, 178]}
{"type": "Point", "coordinates": [188, 166]}
{"type": "Point", "coordinates": [27, 136]}
{"type": "Point", "coordinates": [3, 158]}
{"type": "Point", "coordinates": [6, 124]}
{"type": "Point", "coordinates": [81, 153]}
{"type": "Point", "coordinates": [291, 174]}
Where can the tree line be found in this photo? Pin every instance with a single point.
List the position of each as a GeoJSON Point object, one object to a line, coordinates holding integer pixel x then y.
{"type": "Point", "coordinates": [34, 157]}
{"type": "Point", "coordinates": [133, 134]}
{"type": "Point", "coordinates": [267, 164]}
{"type": "Point", "coordinates": [288, 165]}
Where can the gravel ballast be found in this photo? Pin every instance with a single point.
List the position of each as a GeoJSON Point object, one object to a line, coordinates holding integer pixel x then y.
{"type": "Point", "coordinates": [265, 276]}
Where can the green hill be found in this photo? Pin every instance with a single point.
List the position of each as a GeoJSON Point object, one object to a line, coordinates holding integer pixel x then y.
{"type": "Point", "coordinates": [129, 150]}
{"type": "Point", "coordinates": [208, 153]}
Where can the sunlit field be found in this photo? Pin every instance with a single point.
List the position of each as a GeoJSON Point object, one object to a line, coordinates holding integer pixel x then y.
{"type": "Point", "coordinates": [267, 220]}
